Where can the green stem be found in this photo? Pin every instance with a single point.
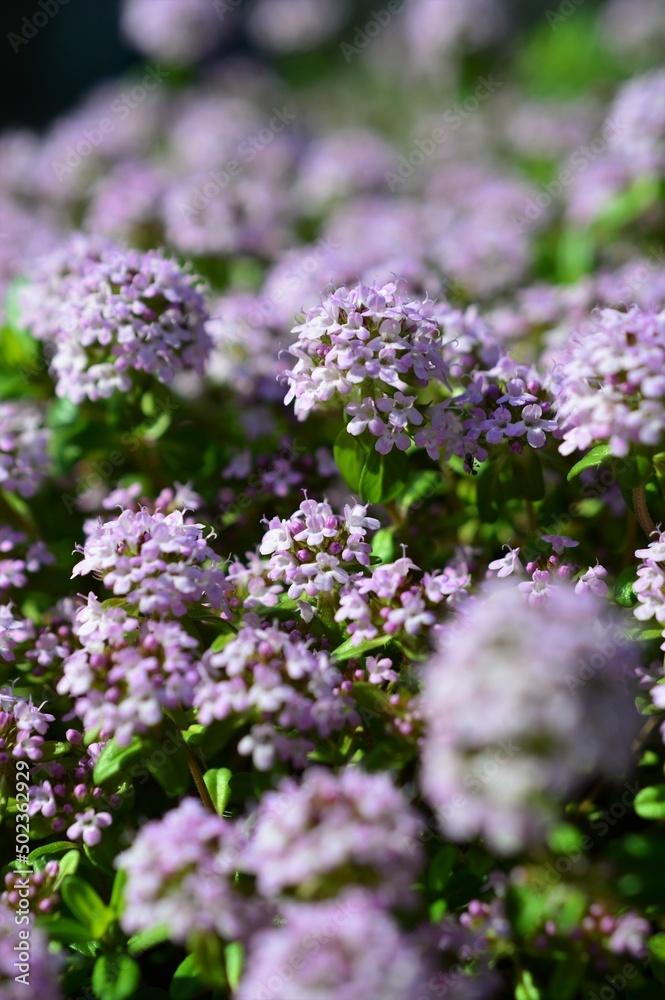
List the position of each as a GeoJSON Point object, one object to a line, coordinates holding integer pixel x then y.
{"type": "Point", "coordinates": [196, 774]}
{"type": "Point", "coordinates": [642, 511]}
{"type": "Point", "coordinates": [394, 513]}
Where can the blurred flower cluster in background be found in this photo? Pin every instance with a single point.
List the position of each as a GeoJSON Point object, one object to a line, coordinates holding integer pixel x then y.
{"type": "Point", "coordinates": [332, 485]}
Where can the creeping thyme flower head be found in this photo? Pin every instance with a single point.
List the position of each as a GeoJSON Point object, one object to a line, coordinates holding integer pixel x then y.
{"type": "Point", "coordinates": [390, 601]}
{"type": "Point", "coordinates": [333, 829]}
{"type": "Point", "coordinates": [118, 312]}
{"type": "Point", "coordinates": [639, 110]}
{"type": "Point", "coordinates": [13, 631]}
{"type": "Point", "coordinates": [339, 949]}
{"type": "Point", "coordinates": [24, 461]}
{"type": "Point", "coordinates": [315, 551]}
{"type": "Point", "coordinates": [180, 873]}
{"type": "Point", "coordinates": [18, 558]}
{"type": "Point", "coordinates": [275, 680]}
{"type": "Point", "coordinates": [294, 25]}
{"type": "Point", "coordinates": [67, 799]}
{"type": "Point", "coordinates": [159, 562]}
{"type": "Point", "coordinates": [51, 278]}
{"type": "Point", "coordinates": [180, 32]}
{"type": "Point", "coordinates": [128, 673]}
{"type": "Point", "coordinates": [650, 585]}
{"type": "Point", "coordinates": [380, 349]}
{"type": "Point", "coordinates": [525, 703]}
{"type": "Point", "coordinates": [611, 385]}
{"type": "Point", "coordinates": [22, 728]}
{"type": "Point", "coordinates": [42, 965]}
{"type": "Point", "coordinates": [375, 346]}
{"type": "Point", "coordinates": [40, 889]}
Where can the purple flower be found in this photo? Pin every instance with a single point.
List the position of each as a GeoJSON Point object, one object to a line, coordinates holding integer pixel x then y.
{"type": "Point", "coordinates": [117, 312]}
{"type": "Point", "coordinates": [334, 829]}
{"type": "Point", "coordinates": [44, 966]}
{"type": "Point", "coordinates": [13, 631]}
{"type": "Point", "coordinates": [23, 726]}
{"type": "Point", "coordinates": [180, 872]}
{"type": "Point", "coordinates": [126, 676]}
{"type": "Point", "coordinates": [24, 462]}
{"type": "Point", "coordinates": [593, 580]}
{"type": "Point", "coordinates": [510, 563]}
{"type": "Point", "coordinates": [88, 826]}
{"type": "Point", "coordinates": [611, 384]}
{"type": "Point", "coordinates": [180, 32]}
{"type": "Point", "coordinates": [560, 543]}
{"type": "Point", "coordinates": [159, 562]}
{"type": "Point", "coordinates": [275, 681]}
{"type": "Point", "coordinates": [524, 703]}
{"type": "Point", "coordinates": [375, 336]}
{"type": "Point", "coordinates": [340, 949]}
{"type": "Point", "coordinates": [533, 424]}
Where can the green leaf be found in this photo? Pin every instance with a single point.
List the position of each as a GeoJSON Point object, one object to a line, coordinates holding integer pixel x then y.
{"type": "Point", "coordinates": [624, 594]}
{"type": "Point", "coordinates": [172, 772]}
{"type": "Point", "coordinates": [383, 477]}
{"type": "Point", "coordinates": [234, 955]}
{"type": "Point", "coordinates": [114, 759]}
{"type": "Point", "coordinates": [383, 544]}
{"type": "Point", "coordinates": [86, 905]}
{"type": "Point", "coordinates": [66, 931]}
{"type": "Point", "coordinates": [526, 988]}
{"type": "Point", "coordinates": [69, 863]}
{"type": "Point", "coordinates": [187, 982]}
{"type": "Point", "coordinates": [350, 456]}
{"type": "Point", "coordinates": [222, 640]}
{"type": "Point", "coordinates": [347, 650]}
{"type": "Point", "coordinates": [115, 977]}
{"type": "Point", "coordinates": [594, 457]}
{"type": "Point", "coordinates": [441, 868]}
{"type": "Point", "coordinates": [49, 852]}
{"type": "Point", "coordinates": [19, 352]}
{"type": "Point", "coordinates": [632, 473]}
{"type": "Point", "coordinates": [650, 802]}
{"type": "Point", "coordinates": [12, 302]}
{"type": "Point", "coordinates": [209, 954]}
{"type": "Point", "coordinates": [528, 475]}
{"type": "Point", "coordinates": [422, 486]}
{"type": "Point", "coordinates": [117, 892]}
{"type": "Point", "coordinates": [566, 980]}
{"type": "Point", "coordinates": [564, 838]}
{"type": "Point", "coordinates": [213, 738]}
{"type": "Point", "coordinates": [217, 782]}
{"type": "Point", "coordinates": [656, 946]}
{"type": "Point", "coordinates": [159, 428]}
{"type": "Point", "coordinates": [575, 254]}
{"type": "Point", "coordinates": [145, 940]}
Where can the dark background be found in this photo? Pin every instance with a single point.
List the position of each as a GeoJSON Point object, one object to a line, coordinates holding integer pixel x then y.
{"type": "Point", "coordinates": [81, 45]}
